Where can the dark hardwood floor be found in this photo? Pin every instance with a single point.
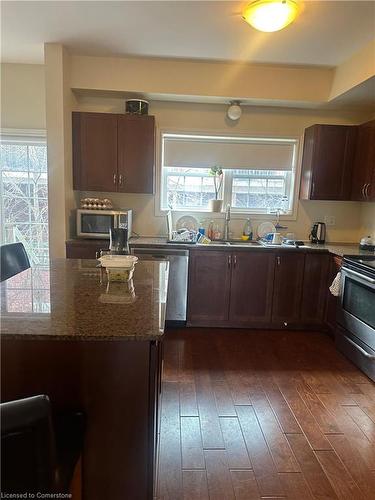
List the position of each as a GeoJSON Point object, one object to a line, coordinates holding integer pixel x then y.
{"type": "Point", "coordinates": [256, 414]}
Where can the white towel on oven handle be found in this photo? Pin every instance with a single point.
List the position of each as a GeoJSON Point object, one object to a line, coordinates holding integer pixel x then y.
{"type": "Point", "coordinates": [335, 288]}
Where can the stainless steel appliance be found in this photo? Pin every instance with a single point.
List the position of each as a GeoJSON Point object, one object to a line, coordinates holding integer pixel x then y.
{"type": "Point", "coordinates": [97, 223]}
{"type": "Point", "coordinates": [177, 280]}
{"type": "Point", "coordinates": [318, 233]}
{"type": "Point", "coordinates": [356, 316]}
{"type": "Point", "coordinates": [118, 241]}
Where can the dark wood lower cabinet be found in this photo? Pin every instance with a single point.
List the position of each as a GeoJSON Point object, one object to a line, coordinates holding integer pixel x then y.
{"type": "Point", "coordinates": [208, 288]}
{"type": "Point", "coordinates": [257, 289]}
{"type": "Point", "coordinates": [315, 287]}
{"type": "Point", "coordinates": [331, 301]}
{"type": "Point", "coordinates": [117, 386]}
{"type": "Point", "coordinates": [287, 290]}
{"type": "Point", "coordinates": [84, 249]}
{"type": "Point", "coordinates": [251, 288]}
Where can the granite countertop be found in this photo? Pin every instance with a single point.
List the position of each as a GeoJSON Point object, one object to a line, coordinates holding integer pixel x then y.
{"type": "Point", "coordinates": [339, 249]}
{"type": "Point", "coordinates": [69, 301]}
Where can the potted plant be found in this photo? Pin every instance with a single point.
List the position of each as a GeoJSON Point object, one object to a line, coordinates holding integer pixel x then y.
{"type": "Point", "coordinates": [216, 204]}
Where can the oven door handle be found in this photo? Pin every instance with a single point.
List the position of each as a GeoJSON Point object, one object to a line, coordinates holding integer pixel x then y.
{"type": "Point", "coordinates": [360, 349]}
{"type": "Point", "coordinates": [359, 275]}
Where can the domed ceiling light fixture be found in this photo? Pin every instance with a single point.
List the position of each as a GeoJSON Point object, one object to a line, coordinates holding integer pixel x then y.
{"type": "Point", "coordinates": [234, 111]}
{"type": "Point", "coordinates": [271, 15]}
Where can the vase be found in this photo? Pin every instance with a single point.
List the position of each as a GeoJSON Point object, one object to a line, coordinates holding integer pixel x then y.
{"type": "Point", "coordinates": [215, 205]}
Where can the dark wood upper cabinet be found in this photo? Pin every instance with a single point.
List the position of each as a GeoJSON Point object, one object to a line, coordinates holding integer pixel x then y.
{"type": "Point", "coordinates": [136, 153]}
{"type": "Point", "coordinates": [251, 287]}
{"type": "Point", "coordinates": [363, 185]}
{"type": "Point", "coordinates": [315, 286]}
{"type": "Point", "coordinates": [113, 153]}
{"type": "Point", "coordinates": [94, 151]}
{"type": "Point", "coordinates": [287, 291]}
{"type": "Point", "coordinates": [327, 162]}
{"type": "Point", "coordinates": [209, 287]}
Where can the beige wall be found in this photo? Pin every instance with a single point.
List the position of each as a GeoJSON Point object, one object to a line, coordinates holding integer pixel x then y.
{"type": "Point", "coordinates": [23, 96]}
{"type": "Point", "coordinates": [255, 120]}
{"type": "Point", "coordinates": [367, 220]}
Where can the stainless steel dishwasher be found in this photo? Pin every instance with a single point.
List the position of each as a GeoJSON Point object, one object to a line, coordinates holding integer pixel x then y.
{"type": "Point", "coordinates": [178, 279]}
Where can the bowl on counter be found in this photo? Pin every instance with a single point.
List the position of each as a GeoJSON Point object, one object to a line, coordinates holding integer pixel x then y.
{"type": "Point", "coordinates": [119, 267]}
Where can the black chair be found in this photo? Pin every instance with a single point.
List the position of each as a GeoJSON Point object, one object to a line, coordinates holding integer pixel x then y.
{"type": "Point", "coordinates": [38, 454]}
{"type": "Point", "coordinates": [14, 260]}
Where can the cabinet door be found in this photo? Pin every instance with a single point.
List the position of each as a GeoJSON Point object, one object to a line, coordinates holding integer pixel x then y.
{"type": "Point", "coordinates": [94, 151]}
{"type": "Point", "coordinates": [136, 153]}
{"type": "Point", "coordinates": [327, 162]}
{"type": "Point", "coordinates": [209, 287]}
{"type": "Point", "coordinates": [287, 292]}
{"type": "Point", "coordinates": [363, 185]}
{"type": "Point", "coordinates": [331, 301]}
{"type": "Point", "coordinates": [252, 288]}
{"type": "Point", "coordinates": [315, 286]}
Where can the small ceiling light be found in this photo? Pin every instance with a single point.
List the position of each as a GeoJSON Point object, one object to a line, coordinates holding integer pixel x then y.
{"type": "Point", "coordinates": [234, 111]}
{"type": "Point", "coordinates": [270, 15]}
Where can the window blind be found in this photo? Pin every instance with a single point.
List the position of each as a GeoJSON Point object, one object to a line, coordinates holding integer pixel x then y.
{"type": "Point", "coordinates": [228, 152]}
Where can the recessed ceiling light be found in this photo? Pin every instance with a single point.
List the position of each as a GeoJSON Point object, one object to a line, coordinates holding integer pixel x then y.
{"type": "Point", "coordinates": [270, 15]}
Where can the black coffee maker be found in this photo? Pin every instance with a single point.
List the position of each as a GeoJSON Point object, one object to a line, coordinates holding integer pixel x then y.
{"type": "Point", "coordinates": [118, 241]}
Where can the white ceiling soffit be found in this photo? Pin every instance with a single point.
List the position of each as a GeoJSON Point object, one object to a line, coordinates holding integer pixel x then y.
{"type": "Point", "coordinates": [326, 33]}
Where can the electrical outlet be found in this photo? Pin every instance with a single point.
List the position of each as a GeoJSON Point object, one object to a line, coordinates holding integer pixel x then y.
{"type": "Point", "coordinates": [330, 220]}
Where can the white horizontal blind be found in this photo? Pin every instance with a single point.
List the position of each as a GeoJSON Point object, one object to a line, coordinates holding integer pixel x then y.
{"type": "Point", "coordinates": [198, 151]}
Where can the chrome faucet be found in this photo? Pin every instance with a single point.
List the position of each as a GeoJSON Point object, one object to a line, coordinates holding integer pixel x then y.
{"type": "Point", "coordinates": [226, 222]}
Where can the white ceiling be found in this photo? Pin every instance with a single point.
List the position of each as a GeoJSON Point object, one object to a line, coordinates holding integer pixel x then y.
{"type": "Point", "coordinates": [326, 33]}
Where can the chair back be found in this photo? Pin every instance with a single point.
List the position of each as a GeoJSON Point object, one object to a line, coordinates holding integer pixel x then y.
{"type": "Point", "coordinates": [14, 260]}
{"type": "Point", "coordinates": [28, 452]}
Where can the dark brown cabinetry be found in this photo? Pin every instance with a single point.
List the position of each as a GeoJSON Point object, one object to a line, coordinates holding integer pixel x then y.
{"type": "Point", "coordinates": [257, 289]}
{"type": "Point", "coordinates": [251, 288]}
{"type": "Point", "coordinates": [230, 288]}
{"type": "Point", "coordinates": [209, 287]}
{"type": "Point", "coordinates": [315, 287]}
{"type": "Point", "coordinates": [136, 151]}
{"type": "Point", "coordinates": [94, 151]}
{"type": "Point", "coordinates": [84, 249]}
{"type": "Point", "coordinates": [113, 153]}
{"type": "Point", "coordinates": [363, 184]}
{"type": "Point", "coordinates": [327, 162]}
{"type": "Point", "coordinates": [331, 301]}
{"type": "Point", "coordinates": [287, 289]}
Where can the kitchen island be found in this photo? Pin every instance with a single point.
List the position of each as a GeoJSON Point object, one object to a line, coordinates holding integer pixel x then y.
{"type": "Point", "coordinates": [94, 347]}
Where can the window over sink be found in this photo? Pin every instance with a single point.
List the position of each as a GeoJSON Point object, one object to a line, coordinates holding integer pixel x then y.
{"type": "Point", "coordinates": [258, 172]}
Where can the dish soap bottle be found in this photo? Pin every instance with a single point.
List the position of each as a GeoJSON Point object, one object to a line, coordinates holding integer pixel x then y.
{"type": "Point", "coordinates": [247, 231]}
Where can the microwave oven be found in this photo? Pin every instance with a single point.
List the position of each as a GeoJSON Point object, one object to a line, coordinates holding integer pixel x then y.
{"type": "Point", "coordinates": [97, 223]}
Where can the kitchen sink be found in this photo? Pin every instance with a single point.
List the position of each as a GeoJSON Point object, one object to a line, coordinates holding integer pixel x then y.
{"type": "Point", "coordinates": [243, 243]}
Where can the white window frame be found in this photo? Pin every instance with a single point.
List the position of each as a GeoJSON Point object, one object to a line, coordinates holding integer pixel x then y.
{"type": "Point", "coordinates": [23, 135]}
{"type": "Point", "coordinates": [237, 212]}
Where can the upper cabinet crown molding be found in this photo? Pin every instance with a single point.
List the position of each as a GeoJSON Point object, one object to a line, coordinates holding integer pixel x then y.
{"type": "Point", "coordinates": [113, 153]}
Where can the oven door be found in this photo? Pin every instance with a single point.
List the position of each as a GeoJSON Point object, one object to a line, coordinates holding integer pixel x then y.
{"type": "Point", "coordinates": [94, 223]}
{"type": "Point", "coordinates": [357, 306]}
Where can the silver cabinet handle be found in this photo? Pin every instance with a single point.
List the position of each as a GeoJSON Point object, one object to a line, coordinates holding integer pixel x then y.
{"type": "Point", "coordinates": [114, 178]}
{"type": "Point", "coordinates": [363, 190]}
{"type": "Point", "coordinates": [366, 190]}
{"type": "Point", "coordinates": [229, 260]}
{"type": "Point", "coordinates": [120, 179]}
{"type": "Point", "coordinates": [355, 273]}
{"type": "Point", "coordinates": [278, 260]}
{"type": "Point", "coordinates": [235, 260]}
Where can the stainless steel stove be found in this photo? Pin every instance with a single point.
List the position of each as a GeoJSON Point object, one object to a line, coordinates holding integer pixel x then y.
{"type": "Point", "coordinates": [356, 335]}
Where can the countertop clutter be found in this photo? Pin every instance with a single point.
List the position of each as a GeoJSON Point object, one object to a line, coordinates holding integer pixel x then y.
{"type": "Point", "coordinates": [69, 302]}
